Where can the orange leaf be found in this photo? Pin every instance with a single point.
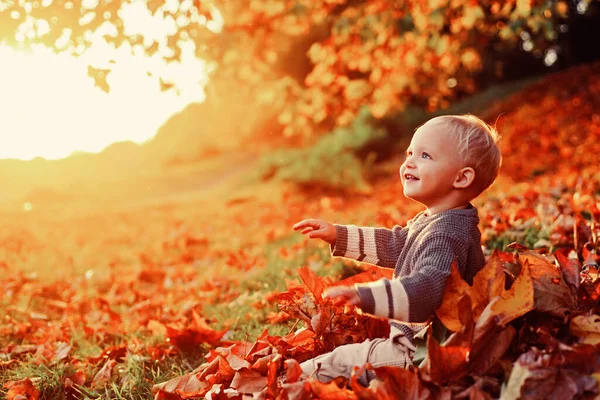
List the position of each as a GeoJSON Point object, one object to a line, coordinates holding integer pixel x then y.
{"type": "Point", "coordinates": [330, 391]}
{"type": "Point", "coordinates": [449, 361]}
{"type": "Point", "coordinates": [456, 288]}
{"type": "Point", "coordinates": [516, 301]}
{"type": "Point", "coordinates": [315, 283]}
{"type": "Point", "coordinates": [187, 384]}
{"type": "Point", "coordinates": [487, 284]}
{"type": "Point", "coordinates": [23, 389]}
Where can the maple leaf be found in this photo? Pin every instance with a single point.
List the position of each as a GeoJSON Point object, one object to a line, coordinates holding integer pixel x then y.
{"type": "Point", "coordinates": [21, 390]}
{"type": "Point", "coordinates": [185, 385]}
{"type": "Point", "coordinates": [487, 285]}
{"type": "Point", "coordinates": [551, 292]}
{"type": "Point", "coordinates": [198, 332]}
{"type": "Point", "coordinates": [314, 283]}
{"type": "Point", "coordinates": [247, 380]}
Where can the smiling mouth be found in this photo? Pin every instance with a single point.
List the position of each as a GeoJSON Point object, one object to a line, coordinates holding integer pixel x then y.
{"type": "Point", "coordinates": [410, 177]}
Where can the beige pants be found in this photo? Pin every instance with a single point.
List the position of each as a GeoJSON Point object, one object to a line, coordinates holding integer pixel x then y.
{"type": "Point", "coordinates": [396, 351]}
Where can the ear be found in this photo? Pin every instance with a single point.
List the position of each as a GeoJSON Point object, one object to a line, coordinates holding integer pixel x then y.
{"type": "Point", "coordinates": [464, 178]}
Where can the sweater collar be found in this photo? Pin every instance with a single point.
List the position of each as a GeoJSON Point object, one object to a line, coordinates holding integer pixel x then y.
{"type": "Point", "coordinates": [470, 211]}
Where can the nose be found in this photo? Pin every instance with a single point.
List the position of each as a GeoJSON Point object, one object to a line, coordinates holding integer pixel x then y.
{"type": "Point", "coordinates": [409, 162]}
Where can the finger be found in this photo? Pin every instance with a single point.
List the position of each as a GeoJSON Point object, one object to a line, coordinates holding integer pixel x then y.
{"type": "Point", "coordinates": [336, 292]}
{"type": "Point", "coordinates": [355, 301]}
{"type": "Point", "coordinates": [306, 230]}
{"type": "Point", "coordinates": [303, 224]}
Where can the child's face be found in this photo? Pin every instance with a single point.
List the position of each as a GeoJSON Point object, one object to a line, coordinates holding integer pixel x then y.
{"type": "Point", "coordinates": [431, 166]}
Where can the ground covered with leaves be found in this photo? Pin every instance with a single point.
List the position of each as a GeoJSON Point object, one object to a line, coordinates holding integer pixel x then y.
{"type": "Point", "coordinates": [222, 300]}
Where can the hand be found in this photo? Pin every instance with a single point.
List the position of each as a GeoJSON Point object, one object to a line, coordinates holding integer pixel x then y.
{"type": "Point", "coordinates": [317, 229]}
{"type": "Point", "coordinates": [344, 294]}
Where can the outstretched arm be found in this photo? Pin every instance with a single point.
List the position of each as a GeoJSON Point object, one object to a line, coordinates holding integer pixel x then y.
{"type": "Point", "coordinates": [379, 246]}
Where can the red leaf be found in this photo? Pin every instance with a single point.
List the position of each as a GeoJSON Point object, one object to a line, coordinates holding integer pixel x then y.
{"type": "Point", "coordinates": [198, 332]}
{"type": "Point", "coordinates": [248, 381]}
{"type": "Point", "coordinates": [569, 267]}
{"type": "Point", "coordinates": [292, 370]}
{"type": "Point", "coordinates": [314, 283]}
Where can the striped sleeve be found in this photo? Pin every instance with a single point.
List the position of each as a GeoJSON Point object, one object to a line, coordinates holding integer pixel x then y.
{"type": "Point", "coordinates": [378, 246]}
{"type": "Point", "coordinates": [384, 298]}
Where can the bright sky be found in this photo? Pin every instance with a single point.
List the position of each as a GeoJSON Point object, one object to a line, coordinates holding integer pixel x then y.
{"type": "Point", "coordinates": [49, 106]}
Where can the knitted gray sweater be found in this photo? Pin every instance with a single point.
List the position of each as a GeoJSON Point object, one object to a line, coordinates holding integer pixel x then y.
{"type": "Point", "coordinates": [421, 255]}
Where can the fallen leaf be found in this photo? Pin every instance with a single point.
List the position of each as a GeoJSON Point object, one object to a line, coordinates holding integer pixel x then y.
{"type": "Point", "coordinates": [185, 384]}
{"type": "Point", "coordinates": [22, 389]}
{"type": "Point", "coordinates": [490, 341]}
{"type": "Point", "coordinates": [586, 328]}
{"type": "Point", "coordinates": [570, 267]}
{"type": "Point", "coordinates": [516, 301]}
{"type": "Point", "coordinates": [197, 333]}
{"type": "Point", "coordinates": [551, 293]}
{"type": "Point", "coordinates": [537, 375]}
{"type": "Point", "coordinates": [392, 383]}
{"type": "Point", "coordinates": [331, 390]}
{"type": "Point", "coordinates": [456, 288]}
{"type": "Point", "coordinates": [292, 370]}
{"type": "Point", "coordinates": [314, 283]}
{"type": "Point", "coordinates": [449, 361]}
{"type": "Point", "coordinates": [248, 381]}
{"type": "Point", "coordinates": [103, 375]}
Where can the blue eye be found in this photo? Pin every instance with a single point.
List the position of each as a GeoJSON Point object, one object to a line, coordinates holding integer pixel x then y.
{"type": "Point", "coordinates": [425, 155]}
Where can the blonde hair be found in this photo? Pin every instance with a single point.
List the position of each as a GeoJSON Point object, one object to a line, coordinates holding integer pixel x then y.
{"type": "Point", "coordinates": [477, 145]}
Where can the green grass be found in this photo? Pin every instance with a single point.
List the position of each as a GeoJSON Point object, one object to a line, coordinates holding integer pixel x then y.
{"type": "Point", "coordinates": [246, 315]}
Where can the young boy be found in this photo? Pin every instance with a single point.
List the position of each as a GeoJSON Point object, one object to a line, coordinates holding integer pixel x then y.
{"type": "Point", "coordinates": [450, 161]}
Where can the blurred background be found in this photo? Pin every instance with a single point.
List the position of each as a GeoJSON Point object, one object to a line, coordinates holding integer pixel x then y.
{"type": "Point", "coordinates": [109, 104]}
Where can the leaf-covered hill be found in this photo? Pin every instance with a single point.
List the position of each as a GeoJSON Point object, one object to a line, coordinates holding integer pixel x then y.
{"type": "Point", "coordinates": [552, 124]}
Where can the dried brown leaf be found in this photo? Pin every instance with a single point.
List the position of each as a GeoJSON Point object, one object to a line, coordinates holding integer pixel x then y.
{"type": "Point", "coordinates": [586, 328]}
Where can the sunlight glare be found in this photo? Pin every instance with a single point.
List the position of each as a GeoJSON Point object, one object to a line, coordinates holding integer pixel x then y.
{"type": "Point", "coordinates": [50, 108]}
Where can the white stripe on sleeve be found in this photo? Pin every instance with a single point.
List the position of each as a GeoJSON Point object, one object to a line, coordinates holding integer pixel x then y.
{"type": "Point", "coordinates": [370, 246]}
{"type": "Point", "coordinates": [353, 249]}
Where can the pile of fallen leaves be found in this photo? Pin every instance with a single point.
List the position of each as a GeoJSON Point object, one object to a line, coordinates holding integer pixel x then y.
{"type": "Point", "coordinates": [528, 322]}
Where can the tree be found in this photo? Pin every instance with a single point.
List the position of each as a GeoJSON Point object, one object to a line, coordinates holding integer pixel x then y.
{"type": "Point", "coordinates": [311, 64]}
